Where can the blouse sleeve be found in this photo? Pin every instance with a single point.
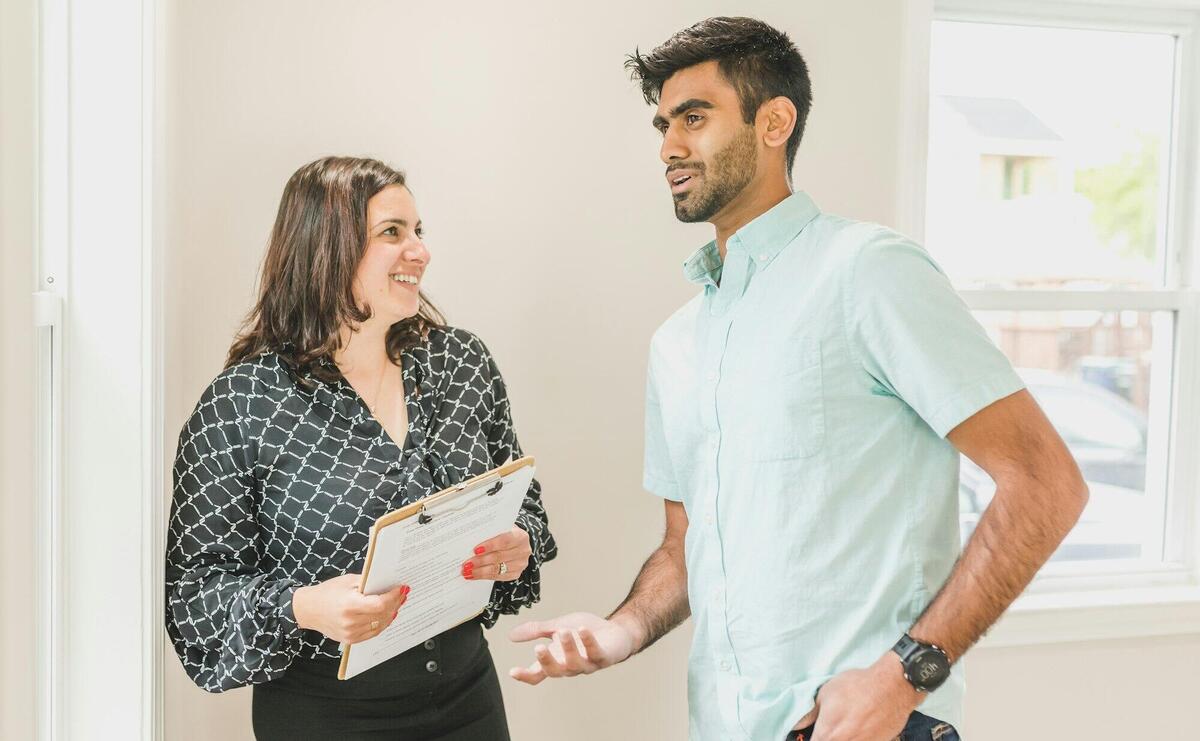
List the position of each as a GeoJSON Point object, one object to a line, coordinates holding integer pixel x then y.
{"type": "Point", "coordinates": [230, 623]}
{"type": "Point", "coordinates": [508, 597]}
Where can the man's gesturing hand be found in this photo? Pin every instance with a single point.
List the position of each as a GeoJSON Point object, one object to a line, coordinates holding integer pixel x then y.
{"type": "Point", "coordinates": [580, 643]}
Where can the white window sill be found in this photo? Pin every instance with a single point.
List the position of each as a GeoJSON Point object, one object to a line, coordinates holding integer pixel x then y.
{"type": "Point", "coordinates": [1101, 614]}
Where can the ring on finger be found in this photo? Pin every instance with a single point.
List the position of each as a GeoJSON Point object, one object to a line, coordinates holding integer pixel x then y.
{"type": "Point", "coordinates": [503, 568]}
{"type": "Point", "coordinates": [374, 624]}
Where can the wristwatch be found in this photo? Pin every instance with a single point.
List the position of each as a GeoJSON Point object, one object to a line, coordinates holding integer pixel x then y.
{"type": "Point", "coordinates": [925, 665]}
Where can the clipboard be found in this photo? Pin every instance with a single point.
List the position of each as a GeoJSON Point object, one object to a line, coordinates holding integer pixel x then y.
{"type": "Point", "coordinates": [425, 513]}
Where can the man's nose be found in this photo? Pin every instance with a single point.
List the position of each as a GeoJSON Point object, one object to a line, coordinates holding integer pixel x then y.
{"type": "Point", "coordinates": [673, 147]}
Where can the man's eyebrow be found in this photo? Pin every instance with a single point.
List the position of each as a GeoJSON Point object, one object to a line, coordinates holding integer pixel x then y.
{"type": "Point", "coordinates": [680, 109]}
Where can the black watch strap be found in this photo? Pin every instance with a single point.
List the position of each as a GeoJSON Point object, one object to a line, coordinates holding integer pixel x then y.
{"type": "Point", "coordinates": [906, 647]}
{"type": "Point", "coordinates": [926, 666]}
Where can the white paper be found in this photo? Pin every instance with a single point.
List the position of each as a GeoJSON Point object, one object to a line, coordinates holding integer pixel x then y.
{"type": "Point", "coordinates": [429, 558]}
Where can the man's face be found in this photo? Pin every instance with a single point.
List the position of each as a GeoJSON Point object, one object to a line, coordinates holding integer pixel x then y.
{"type": "Point", "coordinates": [710, 151]}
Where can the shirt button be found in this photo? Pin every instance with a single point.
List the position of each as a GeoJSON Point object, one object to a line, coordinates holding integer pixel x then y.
{"type": "Point", "coordinates": [431, 666]}
{"type": "Point", "coordinates": [762, 258]}
{"type": "Point", "coordinates": [429, 645]}
{"type": "Point", "coordinates": [708, 519]}
{"type": "Point", "coordinates": [712, 376]}
{"type": "Point", "coordinates": [724, 666]}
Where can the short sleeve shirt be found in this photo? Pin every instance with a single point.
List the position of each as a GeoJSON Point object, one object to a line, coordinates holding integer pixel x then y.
{"type": "Point", "coordinates": [798, 408]}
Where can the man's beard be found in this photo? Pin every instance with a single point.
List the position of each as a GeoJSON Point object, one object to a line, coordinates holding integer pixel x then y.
{"type": "Point", "coordinates": [733, 168]}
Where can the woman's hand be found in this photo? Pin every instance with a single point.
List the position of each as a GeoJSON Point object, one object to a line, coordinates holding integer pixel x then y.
{"type": "Point", "coordinates": [511, 549]}
{"type": "Point", "coordinates": [339, 611]}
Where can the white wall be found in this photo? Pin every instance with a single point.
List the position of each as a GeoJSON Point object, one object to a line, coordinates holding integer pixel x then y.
{"type": "Point", "coordinates": [536, 172]}
{"type": "Point", "coordinates": [17, 505]}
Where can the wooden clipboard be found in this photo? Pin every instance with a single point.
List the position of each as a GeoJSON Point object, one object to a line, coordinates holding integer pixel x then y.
{"type": "Point", "coordinates": [425, 510]}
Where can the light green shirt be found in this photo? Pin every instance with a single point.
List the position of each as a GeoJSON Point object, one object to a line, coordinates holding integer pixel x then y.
{"type": "Point", "coordinates": [798, 408]}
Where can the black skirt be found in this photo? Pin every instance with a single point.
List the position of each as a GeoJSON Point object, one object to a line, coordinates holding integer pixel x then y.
{"type": "Point", "coordinates": [444, 690]}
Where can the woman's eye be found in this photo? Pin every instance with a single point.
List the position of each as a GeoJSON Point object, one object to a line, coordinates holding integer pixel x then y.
{"type": "Point", "coordinates": [391, 231]}
{"type": "Point", "coordinates": [420, 233]}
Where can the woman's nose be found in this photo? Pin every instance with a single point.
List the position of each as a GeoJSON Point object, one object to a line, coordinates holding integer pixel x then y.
{"type": "Point", "coordinates": [417, 253]}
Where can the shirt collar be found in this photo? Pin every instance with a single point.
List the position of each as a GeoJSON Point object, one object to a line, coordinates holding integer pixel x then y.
{"type": "Point", "coordinates": [762, 239]}
{"type": "Point", "coordinates": [336, 394]}
{"type": "Point", "coordinates": [341, 397]}
{"type": "Point", "coordinates": [704, 266]}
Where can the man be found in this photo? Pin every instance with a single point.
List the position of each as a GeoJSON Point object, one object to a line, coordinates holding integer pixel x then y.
{"type": "Point", "coordinates": [804, 416]}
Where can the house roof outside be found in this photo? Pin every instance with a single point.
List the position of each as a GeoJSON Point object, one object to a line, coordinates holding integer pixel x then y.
{"type": "Point", "coordinates": [1001, 118]}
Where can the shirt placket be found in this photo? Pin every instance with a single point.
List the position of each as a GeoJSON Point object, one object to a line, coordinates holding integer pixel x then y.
{"type": "Point", "coordinates": [721, 307]}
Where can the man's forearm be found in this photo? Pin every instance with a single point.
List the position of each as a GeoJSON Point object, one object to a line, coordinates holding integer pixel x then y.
{"type": "Point", "coordinates": [1016, 535]}
{"type": "Point", "coordinates": [658, 601]}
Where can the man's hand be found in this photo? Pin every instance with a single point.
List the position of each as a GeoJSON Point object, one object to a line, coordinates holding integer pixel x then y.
{"type": "Point", "coordinates": [871, 704]}
{"type": "Point", "coordinates": [580, 643]}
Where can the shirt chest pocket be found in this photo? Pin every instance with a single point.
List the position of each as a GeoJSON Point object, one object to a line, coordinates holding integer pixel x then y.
{"type": "Point", "coordinates": [786, 407]}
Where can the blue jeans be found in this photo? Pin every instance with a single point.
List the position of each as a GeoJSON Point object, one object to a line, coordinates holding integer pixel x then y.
{"type": "Point", "coordinates": [919, 728]}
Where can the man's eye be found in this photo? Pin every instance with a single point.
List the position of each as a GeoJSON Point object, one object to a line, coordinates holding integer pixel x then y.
{"type": "Point", "coordinates": [693, 118]}
{"type": "Point", "coordinates": [420, 233]}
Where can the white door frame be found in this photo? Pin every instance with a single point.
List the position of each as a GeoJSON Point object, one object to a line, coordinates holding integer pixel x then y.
{"type": "Point", "coordinates": [97, 301]}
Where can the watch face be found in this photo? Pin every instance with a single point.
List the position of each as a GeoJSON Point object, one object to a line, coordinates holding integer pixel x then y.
{"type": "Point", "coordinates": [928, 669]}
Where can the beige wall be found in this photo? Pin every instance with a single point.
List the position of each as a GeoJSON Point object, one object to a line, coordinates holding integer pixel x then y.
{"type": "Point", "coordinates": [17, 505]}
{"type": "Point", "coordinates": [552, 237]}
{"type": "Point", "coordinates": [1138, 688]}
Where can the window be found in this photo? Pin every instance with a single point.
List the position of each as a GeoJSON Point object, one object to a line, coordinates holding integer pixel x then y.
{"type": "Point", "coordinates": [1056, 174]}
{"type": "Point", "coordinates": [1048, 155]}
{"type": "Point", "coordinates": [1092, 372]}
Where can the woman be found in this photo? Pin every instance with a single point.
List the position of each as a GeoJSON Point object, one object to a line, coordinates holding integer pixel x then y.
{"type": "Point", "coordinates": [344, 397]}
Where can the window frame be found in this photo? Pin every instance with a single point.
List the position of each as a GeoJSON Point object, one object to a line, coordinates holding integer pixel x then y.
{"type": "Point", "coordinates": [1120, 600]}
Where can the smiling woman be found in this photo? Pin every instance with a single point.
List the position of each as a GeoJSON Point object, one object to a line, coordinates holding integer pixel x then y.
{"type": "Point", "coordinates": [344, 398]}
{"type": "Point", "coordinates": [316, 254]}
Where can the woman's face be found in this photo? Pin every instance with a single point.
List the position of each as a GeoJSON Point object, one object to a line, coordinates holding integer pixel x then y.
{"type": "Point", "coordinates": [388, 279]}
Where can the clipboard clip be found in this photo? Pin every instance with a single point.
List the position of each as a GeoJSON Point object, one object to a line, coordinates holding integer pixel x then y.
{"type": "Point", "coordinates": [496, 481]}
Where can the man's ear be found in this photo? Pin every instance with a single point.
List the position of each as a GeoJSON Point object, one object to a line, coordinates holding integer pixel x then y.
{"type": "Point", "coordinates": [776, 121]}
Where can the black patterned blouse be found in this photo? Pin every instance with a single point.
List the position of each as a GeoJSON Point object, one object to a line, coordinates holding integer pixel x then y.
{"type": "Point", "coordinates": [276, 487]}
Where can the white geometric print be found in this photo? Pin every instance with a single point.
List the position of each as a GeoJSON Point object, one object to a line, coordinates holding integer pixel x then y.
{"type": "Point", "coordinates": [276, 486]}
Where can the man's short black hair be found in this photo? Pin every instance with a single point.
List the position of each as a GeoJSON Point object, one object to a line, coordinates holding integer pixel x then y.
{"type": "Point", "coordinates": [760, 62]}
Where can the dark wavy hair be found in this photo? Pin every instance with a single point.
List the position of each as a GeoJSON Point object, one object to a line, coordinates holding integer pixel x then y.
{"type": "Point", "coordinates": [305, 292]}
{"type": "Point", "coordinates": [759, 61]}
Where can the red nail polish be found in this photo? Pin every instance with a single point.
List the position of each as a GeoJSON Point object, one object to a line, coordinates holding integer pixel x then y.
{"type": "Point", "coordinates": [478, 550]}
{"type": "Point", "coordinates": [405, 590]}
